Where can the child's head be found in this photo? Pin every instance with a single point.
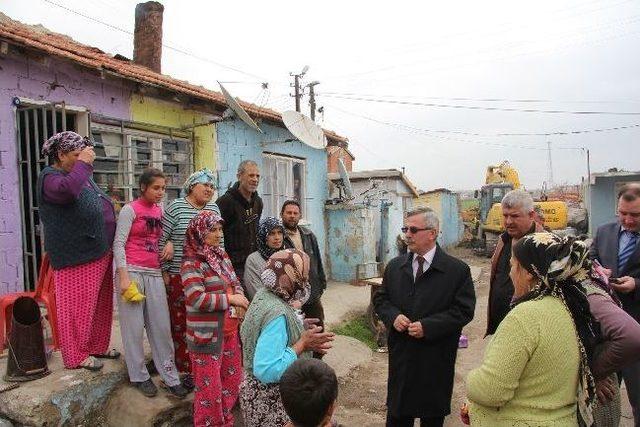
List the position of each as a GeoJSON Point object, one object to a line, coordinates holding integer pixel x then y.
{"type": "Point", "coordinates": [309, 389]}
{"type": "Point", "coordinates": [152, 185]}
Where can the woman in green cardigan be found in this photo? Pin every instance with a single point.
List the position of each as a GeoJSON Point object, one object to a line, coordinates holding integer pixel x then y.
{"type": "Point", "coordinates": [536, 367]}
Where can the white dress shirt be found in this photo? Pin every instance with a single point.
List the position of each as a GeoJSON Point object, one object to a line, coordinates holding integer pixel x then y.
{"type": "Point", "coordinates": [428, 259]}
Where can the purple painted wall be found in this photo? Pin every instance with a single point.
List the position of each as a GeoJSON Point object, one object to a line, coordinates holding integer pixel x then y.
{"type": "Point", "coordinates": [32, 79]}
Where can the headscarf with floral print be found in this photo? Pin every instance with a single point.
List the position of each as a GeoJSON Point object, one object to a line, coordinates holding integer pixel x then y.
{"type": "Point", "coordinates": [266, 225]}
{"type": "Point", "coordinates": [562, 268]}
{"type": "Point", "coordinates": [202, 176]}
{"type": "Point", "coordinates": [64, 142]}
{"type": "Point", "coordinates": [195, 247]}
{"type": "Point", "coordinates": [287, 275]}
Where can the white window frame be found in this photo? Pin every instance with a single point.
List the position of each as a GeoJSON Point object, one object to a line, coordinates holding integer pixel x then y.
{"type": "Point", "coordinates": [273, 202]}
{"type": "Point", "coordinates": [129, 136]}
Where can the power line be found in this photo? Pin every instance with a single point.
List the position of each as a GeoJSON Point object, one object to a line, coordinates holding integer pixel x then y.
{"type": "Point", "coordinates": [505, 26]}
{"type": "Point", "coordinates": [175, 49]}
{"type": "Point", "coordinates": [516, 100]}
{"type": "Point", "coordinates": [473, 107]}
{"type": "Point", "coordinates": [422, 132]}
{"type": "Point", "coordinates": [504, 134]}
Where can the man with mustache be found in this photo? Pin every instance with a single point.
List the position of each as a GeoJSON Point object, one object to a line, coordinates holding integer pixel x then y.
{"type": "Point", "coordinates": [240, 208]}
{"type": "Point", "coordinates": [518, 213]}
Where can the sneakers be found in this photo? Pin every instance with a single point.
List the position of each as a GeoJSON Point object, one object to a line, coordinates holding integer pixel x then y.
{"type": "Point", "coordinates": [178, 391]}
{"type": "Point", "coordinates": [148, 388]}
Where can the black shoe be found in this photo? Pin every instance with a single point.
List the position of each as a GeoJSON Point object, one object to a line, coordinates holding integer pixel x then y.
{"type": "Point", "coordinates": [148, 388]}
{"type": "Point", "coordinates": [151, 367]}
{"type": "Point", "coordinates": [187, 382]}
{"type": "Point", "coordinates": [178, 391]}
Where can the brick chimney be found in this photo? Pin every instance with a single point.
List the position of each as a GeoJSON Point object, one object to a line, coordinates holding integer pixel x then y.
{"type": "Point", "coordinates": [147, 39]}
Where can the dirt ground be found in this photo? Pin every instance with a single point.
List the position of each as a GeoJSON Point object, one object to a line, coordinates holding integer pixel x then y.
{"type": "Point", "coordinates": [361, 400]}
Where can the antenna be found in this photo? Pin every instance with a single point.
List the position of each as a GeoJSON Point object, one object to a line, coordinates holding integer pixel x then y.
{"type": "Point", "coordinates": [345, 184]}
{"type": "Point", "coordinates": [237, 108]}
{"type": "Point", "coordinates": [303, 128]}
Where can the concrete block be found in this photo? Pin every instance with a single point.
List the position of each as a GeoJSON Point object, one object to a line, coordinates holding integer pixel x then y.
{"type": "Point", "coordinates": [128, 407]}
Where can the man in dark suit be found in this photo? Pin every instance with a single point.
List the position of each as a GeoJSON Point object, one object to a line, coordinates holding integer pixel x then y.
{"type": "Point", "coordinates": [617, 247]}
{"type": "Point", "coordinates": [426, 297]}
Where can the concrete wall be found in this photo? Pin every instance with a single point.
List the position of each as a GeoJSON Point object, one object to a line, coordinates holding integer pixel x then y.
{"type": "Point", "coordinates": [171, 114]}
{"type": "Point", "coordinates": [398, 194]}
{"type": "Point", "coordinates": [238, 142]}
{"type": "Point", "coordinates": [34, 79]}
{"type": "Point", "coordinates": [351, 240]}
{"type": "Point", "coordinates": [445, 205]}
{"type": "Point", "coordinates": [603, 197]}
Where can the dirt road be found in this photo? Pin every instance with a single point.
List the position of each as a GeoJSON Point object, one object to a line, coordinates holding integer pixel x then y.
{"type": "Point", "coordinates": [362, 395]}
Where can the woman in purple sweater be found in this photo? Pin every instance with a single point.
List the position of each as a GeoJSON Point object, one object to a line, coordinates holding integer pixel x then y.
{"type": "Point", "coordinates": [79, 226]}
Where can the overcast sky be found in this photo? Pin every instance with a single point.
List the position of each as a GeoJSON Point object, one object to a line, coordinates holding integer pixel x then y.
{"type": "Point", "coordinates": [569, 56]}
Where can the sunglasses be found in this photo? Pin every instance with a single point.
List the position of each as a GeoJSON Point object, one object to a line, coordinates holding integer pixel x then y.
{"type": "Point", "coordinates": [413, 229]}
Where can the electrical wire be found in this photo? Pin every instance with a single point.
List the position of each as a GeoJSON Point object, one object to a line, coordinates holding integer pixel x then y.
{"type": "Point", "coordinates": [175, 49]}
{"type": "Point", "coordinates": [505, 134]}
{"type": "Point", "coordinates": [513, 100]}
{"type": "Point", "coordinates": [505, 26]}
{"type": "Point", "coordinates": [474, 107]}
{"type": "Point", "coordinates": [426, 132]}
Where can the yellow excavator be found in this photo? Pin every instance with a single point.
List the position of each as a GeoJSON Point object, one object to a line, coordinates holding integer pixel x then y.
{"type": "Point", "coordinates": [499, 181]}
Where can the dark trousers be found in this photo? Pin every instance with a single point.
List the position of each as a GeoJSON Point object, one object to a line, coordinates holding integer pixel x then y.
{"type": "Point", "coordinates": [408, 421]}
{"type": "Point", "coordinates": [313, 310]}
{"type": "Point", "coordinates": [631, 378]}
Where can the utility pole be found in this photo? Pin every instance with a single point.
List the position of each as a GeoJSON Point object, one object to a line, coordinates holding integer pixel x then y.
{"type": "Point", "coordinates": [312, 99]}
{"type": "Point", "coordinates": [550, 171]}
{"type": "Point", "coordinates": [296, 86]}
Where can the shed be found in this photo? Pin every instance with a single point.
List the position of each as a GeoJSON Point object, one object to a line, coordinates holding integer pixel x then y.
{"type": "Point", "coordinates": [446, 205]}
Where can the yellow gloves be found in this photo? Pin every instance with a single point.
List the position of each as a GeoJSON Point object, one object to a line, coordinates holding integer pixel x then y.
{"type": "Point", "coordinates": [132, 294]}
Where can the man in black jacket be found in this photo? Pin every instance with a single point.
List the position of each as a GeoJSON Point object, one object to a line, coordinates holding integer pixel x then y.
{"type": "Point", "coordinates": [240, 208]}
{"type": "Point", "coordinates": [303, 239]}
{"type": "Point", "coordinates": [426, 298]}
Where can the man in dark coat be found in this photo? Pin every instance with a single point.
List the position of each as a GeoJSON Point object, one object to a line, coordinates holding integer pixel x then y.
{"type": "Point", "coordinates": [301, 238]}
{"type": "Point", "coordinates": [617, 247]}
{"type": "Point", "coordinates": [240, 208]}
{"type": "Point", "coordinates": [518, 213]}
{"type": "Point", "coordinates": [426, 298]}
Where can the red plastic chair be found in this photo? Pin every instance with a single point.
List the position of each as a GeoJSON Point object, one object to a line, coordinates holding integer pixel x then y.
{"type": "Point", "coordinates": [44, 294]}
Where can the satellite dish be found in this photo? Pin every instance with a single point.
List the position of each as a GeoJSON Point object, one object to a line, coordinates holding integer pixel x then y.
{"type": "Point", "coordinates": [346, 184]}
{"type": "Point", "coordinates": [237, 108]}
{"type": "Point", "coordinates": [303, 128]}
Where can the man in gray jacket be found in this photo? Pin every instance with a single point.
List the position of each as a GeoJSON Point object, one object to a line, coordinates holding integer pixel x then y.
{"type": "Point", "coordinates": [303, 239]}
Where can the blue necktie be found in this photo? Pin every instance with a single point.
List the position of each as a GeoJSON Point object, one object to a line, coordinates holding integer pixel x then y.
{"type": "Point", "coordinates": [625, 253]}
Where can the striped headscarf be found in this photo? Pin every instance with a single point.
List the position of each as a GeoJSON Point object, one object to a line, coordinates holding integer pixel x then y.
{"type": "Point", "coordinates": [196, 248]}
{"type": "Point", "coordinates": [203, 176]}
{"type": "Point", "coordinates": [64, 142]}
{"type": "Point", "coordinates": [266, 225]}
{"type": "Point", "coordinates": [562, 268]}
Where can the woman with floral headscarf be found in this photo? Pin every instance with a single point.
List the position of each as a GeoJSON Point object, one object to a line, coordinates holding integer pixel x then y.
{"type": "Point", "coordinates": [270, 240]}
{"type": "Point", "coordinates": [196, 196]}
{"type": "Point", "coordinates": [214, 299]}
{"type": "Point", "coordinates": [274, 335]}
{"type": "Point", "coordinates": [542, 351]}
{"type": "Point", "coordinates": [79, 226]}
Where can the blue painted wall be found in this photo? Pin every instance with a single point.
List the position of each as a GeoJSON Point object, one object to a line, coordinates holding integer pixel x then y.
{"type": "Point", "coordinates": [238, 142]}
{"type": "Point", "coordinates": [351, 240]}
{"type": "Point", "coordinates": [603, 199]}
{"type": "Point", "coordinates": [451, 227]}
